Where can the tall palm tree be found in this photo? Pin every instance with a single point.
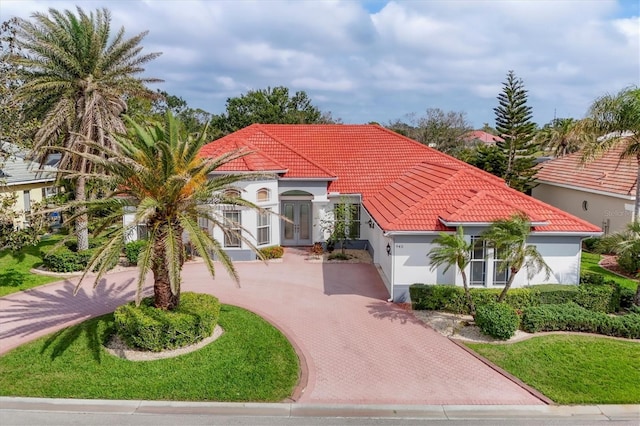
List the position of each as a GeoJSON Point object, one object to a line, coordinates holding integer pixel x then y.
{"type": "Point", "coordinates": [158, 174]}
{"type": "Point", "coordinates": [76, 79]}
{"type": "Point", "coordinates": [452, 250]}
{"type": "Point", "coordinates": [509, 238]}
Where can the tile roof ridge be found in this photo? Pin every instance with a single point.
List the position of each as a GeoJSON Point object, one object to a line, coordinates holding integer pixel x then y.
{"type": "Point", "coordinates": [290, 148]}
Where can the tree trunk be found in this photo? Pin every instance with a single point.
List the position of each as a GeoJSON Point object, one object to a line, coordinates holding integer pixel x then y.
{"type": "Point", "coordinates": [82, 221]}
{"type": "Point", "coordinates": [163, 297]}
{"type": "Point", "coordinates": [636, 299]}
{"type": "Point", "coordinates": [467, 293]}
{"type": "Point", "coordinates": [636, 209]}
{"type": "Point", "coordinates": [507, 286]}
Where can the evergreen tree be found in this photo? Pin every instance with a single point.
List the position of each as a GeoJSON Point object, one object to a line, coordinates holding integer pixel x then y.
{"type": "Point", "coordinates": [513, 123]}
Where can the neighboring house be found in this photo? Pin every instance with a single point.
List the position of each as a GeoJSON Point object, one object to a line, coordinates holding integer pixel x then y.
{"type": "Point", "coordinates": [481, 137]}
{"type": "Point", "coordinates": [402, 194]}
{"type": "Point", "coordinates": [26, 179]}
{"type": "Point", "coordinates": [601, 191]}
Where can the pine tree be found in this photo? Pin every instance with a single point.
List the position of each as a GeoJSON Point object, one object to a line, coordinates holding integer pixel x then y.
{"type": "Point", "coordinates": [513, 123]}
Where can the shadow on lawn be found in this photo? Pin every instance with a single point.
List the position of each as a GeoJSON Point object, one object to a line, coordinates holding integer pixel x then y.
{"type": "Point", "coordinates": [12, 278]}
{"type": "Point", "coordinates": [37, 310]}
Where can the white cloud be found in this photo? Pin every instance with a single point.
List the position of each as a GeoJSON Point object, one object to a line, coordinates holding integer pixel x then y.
{"type": "Point", "coordinates": [377, 66]}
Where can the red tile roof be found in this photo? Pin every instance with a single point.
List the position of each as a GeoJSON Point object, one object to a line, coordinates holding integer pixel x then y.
{"type": "Point", "coordinates": [482, 136]}
{"type": "Point", "coordinates": [406, 186]}
{"type": "Point", "coordinates": [608, 173]}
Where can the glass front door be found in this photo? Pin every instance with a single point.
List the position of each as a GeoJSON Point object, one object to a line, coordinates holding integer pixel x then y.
{"type": "Point", "coordinates": [297, 230]}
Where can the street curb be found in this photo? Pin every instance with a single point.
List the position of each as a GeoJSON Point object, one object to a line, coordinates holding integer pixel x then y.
{"type": "Point", "coordinates": [434, 412]}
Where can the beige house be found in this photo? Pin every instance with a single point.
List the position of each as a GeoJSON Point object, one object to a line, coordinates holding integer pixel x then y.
{"type": "Point", "coordinates": [27, 181]}
{"type": "Point", "coordinates": [601, 192]}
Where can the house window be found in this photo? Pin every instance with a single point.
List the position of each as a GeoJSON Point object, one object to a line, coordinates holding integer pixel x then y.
{"type": "Point", "coordinates": [264, 228]}
{"type": "Point", "coordinates": [262, 195]}
{"type": "Point", "coordinates": [485, 265]}
{"type": "Point", "coordinates": [500, 277]}
{"type": "Point", "coordinates": [478, 262]}
{"type": "Point", "coordinates": [233, 224]}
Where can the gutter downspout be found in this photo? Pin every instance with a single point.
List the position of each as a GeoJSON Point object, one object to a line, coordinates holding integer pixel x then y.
{"type": "Point", "coordinates": [393, 270]}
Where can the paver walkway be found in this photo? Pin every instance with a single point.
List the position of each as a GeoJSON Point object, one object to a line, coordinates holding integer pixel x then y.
{"type": "Point", "coordinates": [358, 348]}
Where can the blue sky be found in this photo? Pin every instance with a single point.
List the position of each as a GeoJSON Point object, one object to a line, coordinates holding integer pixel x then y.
{"type": "Point", "coordinates": [378, 60]}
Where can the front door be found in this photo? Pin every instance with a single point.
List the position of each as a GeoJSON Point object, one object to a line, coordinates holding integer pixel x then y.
{"type": "Point", "coordinates": [296, 231]}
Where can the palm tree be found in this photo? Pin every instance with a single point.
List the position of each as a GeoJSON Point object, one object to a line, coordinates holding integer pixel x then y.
{"type": "Point", "coordinates": [158, 174]}
{"type": "Point", "coordinates": [614, 120]}
{"type": "Point", "coordinates": [76, 80]}
{"type": "Point", "coordinates": [560, 136]}
{"type": "Point", "coordinates": [453, 249]}
{"type": "Point", "coordinates": [624, 244]}
{"type": "Point", "coordinates": [508, 237]}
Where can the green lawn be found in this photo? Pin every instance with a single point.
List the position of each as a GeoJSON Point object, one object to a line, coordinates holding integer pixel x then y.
{"type": "Point", "coordinates": [572, 369]}
{"type": "Point", "coordinates": [15, 268]}
{"type": "Point", "coordinates": [251, 361]}
{"type": "Point", "coordinates": [590, 264]}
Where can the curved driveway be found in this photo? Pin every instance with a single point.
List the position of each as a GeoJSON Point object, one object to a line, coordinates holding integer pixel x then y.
{"type": "Point", "coordinates": [358, 348]}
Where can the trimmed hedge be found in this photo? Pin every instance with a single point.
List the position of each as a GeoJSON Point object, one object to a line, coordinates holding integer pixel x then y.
{"type": "Point", "coordinates": [497, 320]}
{"type": "Point", "coordinates": [152, 329]}
{"type": "Point", "coordinates": [132, 250]}
{"type": "Point", "coordinates": [605, 297]}
{"type": "Point", "coordinates": [272, 252]}
{"type": "Point", "coordinates": [571, 317]}
{"type": "Point", "coordinates": [62, 259]}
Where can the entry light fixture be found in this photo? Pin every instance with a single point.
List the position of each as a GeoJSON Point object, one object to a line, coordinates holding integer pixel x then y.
{"type": "Point", "coordinates": [388, 249]}
{"type": "Point", "coordinates": [370, 223]}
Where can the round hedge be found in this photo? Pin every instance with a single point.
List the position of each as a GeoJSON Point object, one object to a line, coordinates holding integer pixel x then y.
{"type": "Point", "coordinates": [497, 320]}
{"type": "Point", "coordinates": [148, 328]}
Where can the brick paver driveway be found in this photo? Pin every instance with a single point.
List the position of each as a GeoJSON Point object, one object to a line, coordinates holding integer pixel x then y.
{"type": "Point", "coordinates": [357, 347]}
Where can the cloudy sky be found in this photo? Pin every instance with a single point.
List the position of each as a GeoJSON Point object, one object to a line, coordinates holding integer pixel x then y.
{"type": "Point", "coordinates": [376, 60]}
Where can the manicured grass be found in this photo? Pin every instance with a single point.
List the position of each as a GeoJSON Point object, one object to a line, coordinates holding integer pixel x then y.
{"type": "Point", "coordinates": [251, 361]}
{"type": "Point", "coordinates": [573, 369]}
{"type": "Point", "coordinates": [15, 267]}
{"type": "Point", "coordinates": [590, 264]}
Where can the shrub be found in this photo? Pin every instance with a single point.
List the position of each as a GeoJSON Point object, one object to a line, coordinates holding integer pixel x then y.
{"type": "Point", "coordinates": [599, 298]}
{"type": "Point", "coordinates": [572, 317]}
{"type": "Point", "coordinates": [497, 320]}
{"type": "Point", "coordinates": [626, 298]}
{"type": "Point", "coordinates": [437, 298]}
{"type": "Point", "coordinates": [590, 244]}
{"type": "Point", "coordinates": [629, 262]}
{"type": "Point", "coordinates": [272, 252]}
{"type": "Point", "coordinates": [451, 298]}
{"type": "Point", "coordinates": [132, 250]}
{"type": "Point", "coordinates": [61, 259]}
{"type": "Point", "coordinates": [152, 329]}
{"type": "Point", "coordinates": [554, 294]}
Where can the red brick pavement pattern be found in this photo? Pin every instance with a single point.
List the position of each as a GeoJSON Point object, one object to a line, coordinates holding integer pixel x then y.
{"type": "Point", "coordinates": [359, 348]}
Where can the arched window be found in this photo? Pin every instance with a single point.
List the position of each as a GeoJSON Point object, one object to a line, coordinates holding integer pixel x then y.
{"type": "Point", "coordinates": [232, 193]}
{"type": "Point", "coordinates": [262, 195]}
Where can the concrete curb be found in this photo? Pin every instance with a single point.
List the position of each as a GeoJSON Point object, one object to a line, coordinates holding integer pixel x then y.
{"type": "Point", "coordinates": [434, 412]}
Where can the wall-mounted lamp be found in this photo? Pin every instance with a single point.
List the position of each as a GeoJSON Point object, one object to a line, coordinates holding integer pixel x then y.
{"type": "Point", "coordinates": [370, 223]}
{"type": "Point", "coordinates": [388, 249]}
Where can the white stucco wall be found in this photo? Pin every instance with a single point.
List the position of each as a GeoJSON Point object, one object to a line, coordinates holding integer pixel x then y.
{"type": "Point", "coordinates": [411, 262]}
{"type": "Point", "coordinates": [601, 209]}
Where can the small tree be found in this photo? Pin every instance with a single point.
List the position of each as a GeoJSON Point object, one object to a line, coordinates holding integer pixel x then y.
{"type": "Point", "coordinates": [509, 239]}
{"type": "Point", "coordinates": [452, 250]}
{"type": "Point", "coordinates": [343, 225]}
